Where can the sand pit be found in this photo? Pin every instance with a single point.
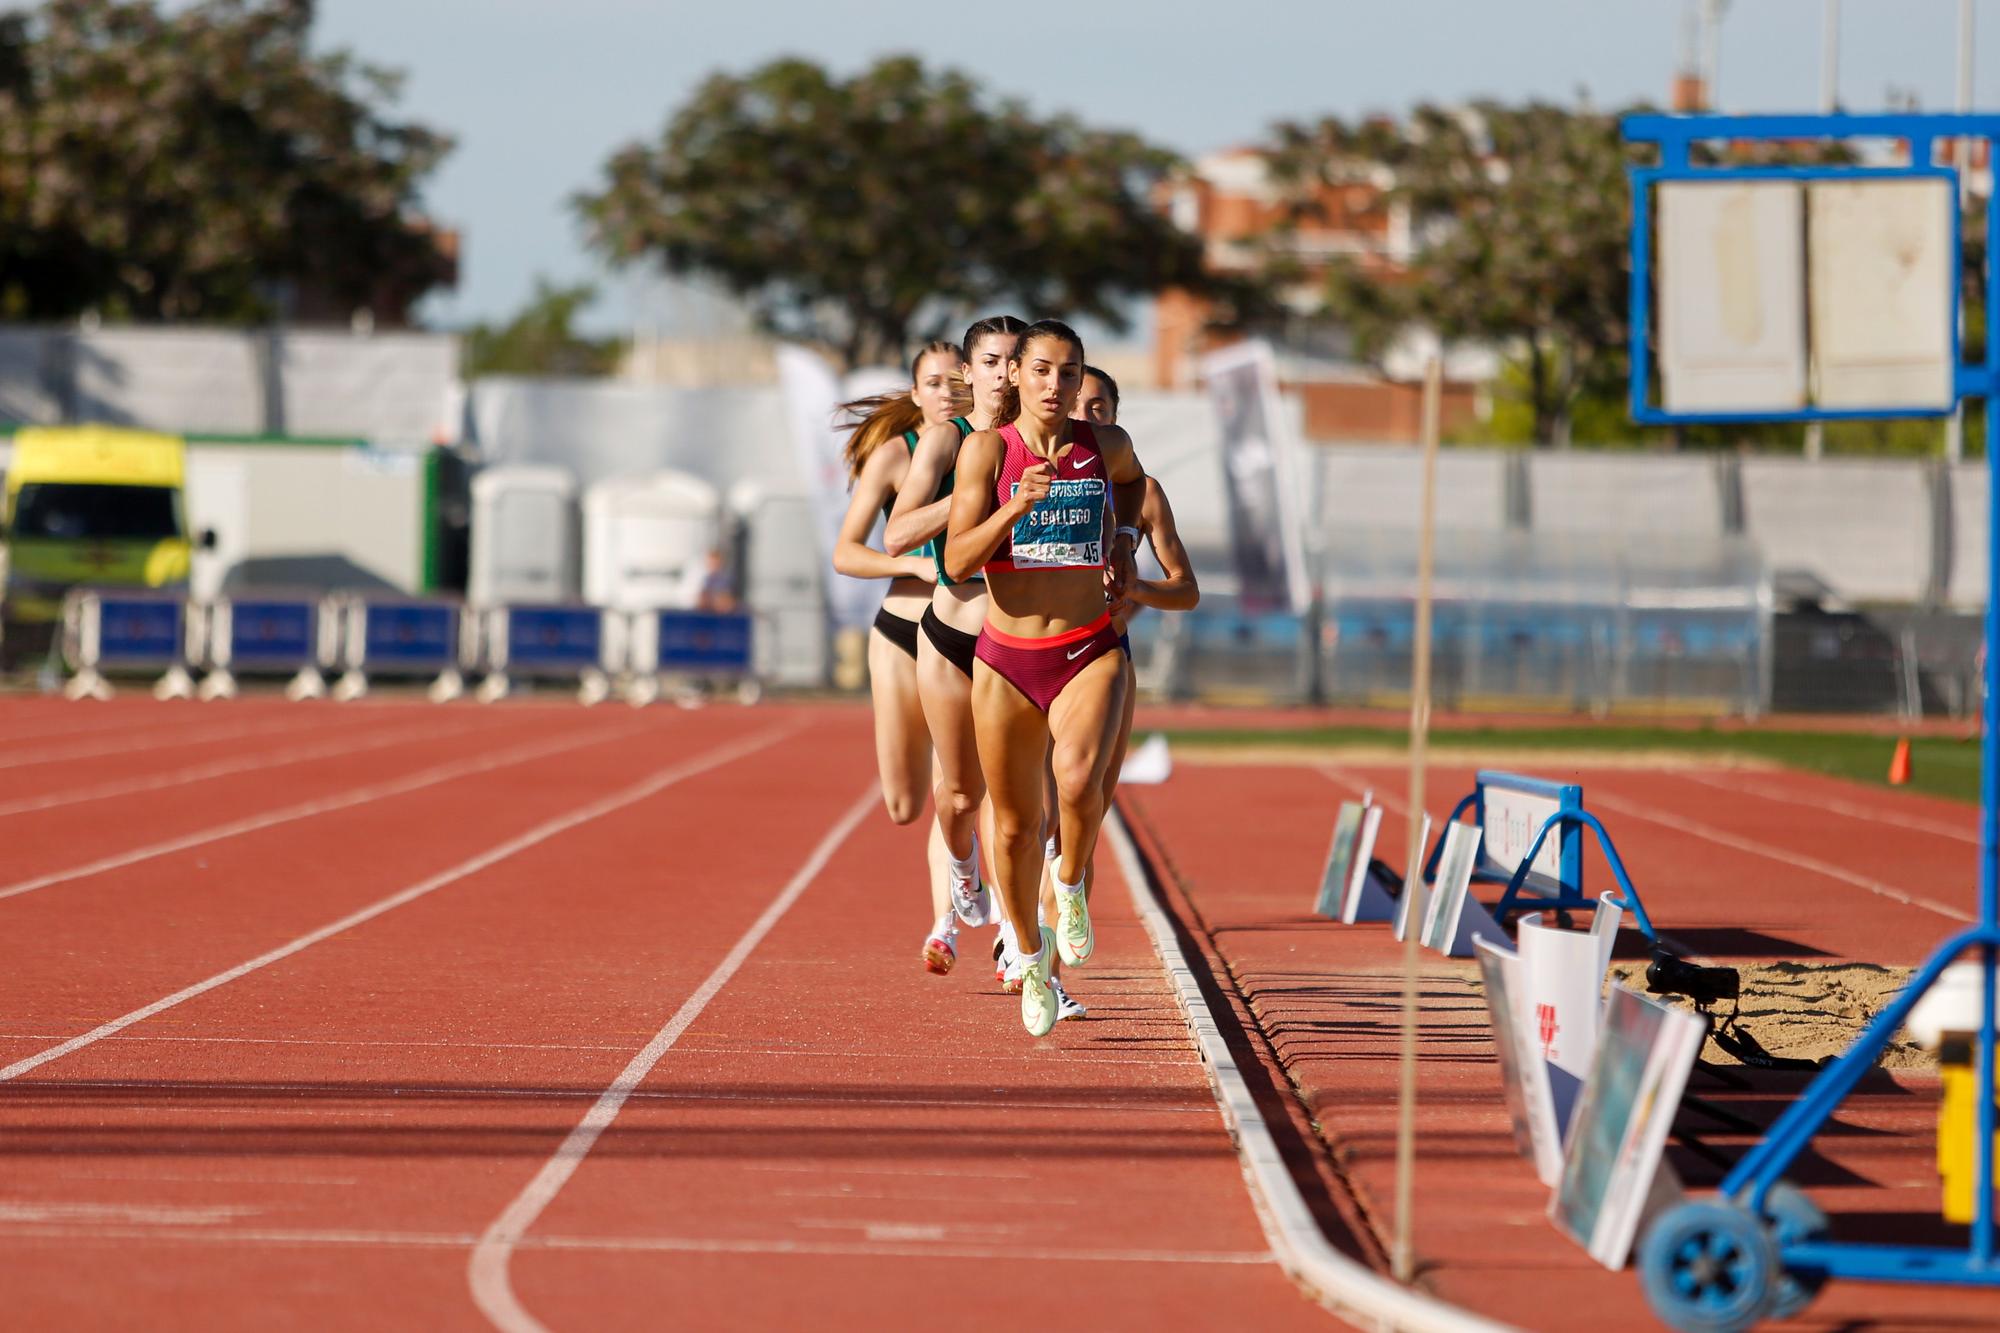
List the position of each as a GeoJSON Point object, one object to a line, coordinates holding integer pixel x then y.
{"type": "Point", "coordinates": [1808, 1010]}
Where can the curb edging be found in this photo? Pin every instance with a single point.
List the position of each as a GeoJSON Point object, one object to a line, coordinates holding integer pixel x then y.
{"type": "Point", "coordinates": [1301, 1248]}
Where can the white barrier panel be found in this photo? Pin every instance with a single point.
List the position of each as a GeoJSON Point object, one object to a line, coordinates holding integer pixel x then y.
{"type": "Point", "coordinates": [392, 389]}
{"type": "Point", "coordinates": [179, 379]}
{"type": "Point", "coordinates": [1564, 987]}
{"type": "Point", "coordinates": [524, 536]}
{"type": "Point", "coordinates": [1613, 1175]}
{"type": "Point", "coordinates": [1381, 487]}
{"type": "Point", "coordinates": [1863, 526]}
{"type": "Point", "coordinates": [1625, 496]}
{"type": "Point", "coordinates": [1363, 899]}
{"type": "Point", "coordinates": [1968, 537]}
{"type": "Point", "coordinates": [1452, 916]}
{"type": "Point", "coordinates": [1537, 1133]}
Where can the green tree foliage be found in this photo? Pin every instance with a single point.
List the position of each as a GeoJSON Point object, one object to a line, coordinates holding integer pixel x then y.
{"type": "Point", "coordinates": [862, 214]}
{"type": "Point", "coordinates": [192, 162]}
{"type": "Point", "coordinates": [542, 339]}
{"type": "Point", "coordinates": [1521, 215]}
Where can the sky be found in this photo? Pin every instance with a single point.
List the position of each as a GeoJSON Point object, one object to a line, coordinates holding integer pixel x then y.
{"type": "Point", "coordinates": [539, 93]}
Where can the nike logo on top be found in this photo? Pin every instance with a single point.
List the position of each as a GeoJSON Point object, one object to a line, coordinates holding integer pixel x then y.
{"type": "Point", "coordinates": [1081, 463]}
{"type": "Point", "coordinates": [1078, 653]}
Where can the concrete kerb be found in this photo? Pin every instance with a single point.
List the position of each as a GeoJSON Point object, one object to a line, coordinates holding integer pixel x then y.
{"type": "Point", "coordinates": [1348, 1288]}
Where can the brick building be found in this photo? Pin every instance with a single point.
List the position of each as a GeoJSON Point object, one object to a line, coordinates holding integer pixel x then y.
{"type": "Point", "coordinates": [1230, 200]}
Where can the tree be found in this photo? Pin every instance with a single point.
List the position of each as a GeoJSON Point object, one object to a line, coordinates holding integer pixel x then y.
{"type": "Point", "coordinates": [862, 214]}
{"type": "Point", "coordinates": [1522, 215]}
{"type": "Point", "coordinates": [200, 164]}
{"type": "Point", "coordinates": [541, 339]}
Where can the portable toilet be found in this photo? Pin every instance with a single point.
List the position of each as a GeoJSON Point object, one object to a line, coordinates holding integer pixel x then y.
{"type": "Point", "coordinates": [784, 579]}
{"type": "Point", "coordinates": [524, 547]}
{"type": "Point", "coordinates": [647, 540]}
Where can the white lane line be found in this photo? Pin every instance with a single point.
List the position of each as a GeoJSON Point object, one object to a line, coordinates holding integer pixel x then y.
{"type": "Point", "coordinates": [429, 777]}
{"type": "Point", "coordinates": [492, 1288]}
{"type": "Point", "coordinates": [203, 772]}
{"type": "Point", "coordinates": [409, 1093]}
{"type": "Point", "coordinates": [116, 721]}
{"type": "Point", "coordinates": [625, 1244]}
{"type": "Point", "coordinates": [659, 782]}
{"type": "Point", "coordinates": [1782, 855]}
{"type": "Point", "coordinates": [1833, 805]}
{"type": "Point", "coordinates": [200, 736]}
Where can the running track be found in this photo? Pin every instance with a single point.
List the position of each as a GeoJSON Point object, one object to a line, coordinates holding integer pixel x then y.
{"type": "Point", "coordinates": [391, 1016]}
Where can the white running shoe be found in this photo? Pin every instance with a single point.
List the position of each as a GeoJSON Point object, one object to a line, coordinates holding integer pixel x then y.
{"type": "Point", "coordinates": [1038, 996]}
{"type": "Point", "coordinates": [1073, 934]}
{"type": "Point", "coordinates": [1066, 1007]}
{"type": "Point", "coordinates": [1012, 965]}
{"type": "Point", "coordinates": [1003, 945]}
{"type": "Point", "coordinates": [941, 949]}
{"type": "Point", "coordinates": [971, 899]}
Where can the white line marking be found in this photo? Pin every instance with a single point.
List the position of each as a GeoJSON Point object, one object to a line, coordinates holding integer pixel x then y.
{"type": "Point", "coordinates": [1782, 855]}
{"type": "Point", "coordinates": [831, 1095]}
{"type": "Point", "coordinates": [492, 1288]}
{"type": "Point", "coordinates": [133, 1214]}
{"type": "Point", "coordinates": [626, 1244]}
{"type": "Point", "coordinates": [659, 782]}
{"type": "Point", "coordinates": [1838, 807]}
{"type": "Point", "coordinates": [428, 777]}
{"type": "Point", "coordinates": [1366, 1298]}
{"type": "Point", "coordinates": [203, 772]}
{"type": "Point", "coordinates": [202, 737]}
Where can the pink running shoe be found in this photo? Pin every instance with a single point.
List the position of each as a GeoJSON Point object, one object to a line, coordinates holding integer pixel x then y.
{"type": "Point", "coordinates": [941, 949]}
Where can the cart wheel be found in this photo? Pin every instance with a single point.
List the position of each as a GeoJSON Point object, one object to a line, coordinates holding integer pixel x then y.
{"type": "Point", "coordinates": [1708, 1268]}
{"type": "Point", "coordinates": [1794, 1218]}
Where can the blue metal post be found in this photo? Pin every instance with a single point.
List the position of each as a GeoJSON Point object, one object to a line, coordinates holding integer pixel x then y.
{"type": "Point", "coordinates": [1989, 754]}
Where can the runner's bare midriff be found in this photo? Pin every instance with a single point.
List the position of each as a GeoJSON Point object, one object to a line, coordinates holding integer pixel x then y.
{"type": "Point", "coordinates": [907, 598]}
{"type": "Point", "coordinates": [961, 605]}
{"type": "Point", "coordinates": [1037, 603]}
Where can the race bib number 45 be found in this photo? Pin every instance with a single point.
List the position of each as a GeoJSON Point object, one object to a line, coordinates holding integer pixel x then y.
{"type": "Point", "coordinates": [1065, 530]}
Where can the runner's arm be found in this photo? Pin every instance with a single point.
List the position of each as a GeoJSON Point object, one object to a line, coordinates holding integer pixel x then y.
{"type": "Point", "coordinates": [916, 519]}
{"type": "Point", "coordinates": [1178, 591]}
{"type": "Point", "coordinates": [977, 528]}
{"type": "Point", "coordinates": [852, 555]}
{"type": "Point", "coordinates": [1128, 495]}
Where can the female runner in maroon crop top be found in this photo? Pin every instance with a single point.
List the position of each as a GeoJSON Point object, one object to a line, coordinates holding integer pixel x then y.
{"type": "Point", "coordinates": [1029, 509]}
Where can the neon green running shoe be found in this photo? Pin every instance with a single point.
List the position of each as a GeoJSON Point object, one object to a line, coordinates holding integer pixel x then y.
{"type": "Point", "coordinates": [1038, 997]}
{"type": "Point", "coordinates": [1073, 933]}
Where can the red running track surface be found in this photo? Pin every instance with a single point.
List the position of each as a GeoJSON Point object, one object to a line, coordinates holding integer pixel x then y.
{"type": "Point", "coordinates": [280, 1052]}
{"type": "Point", "coordinates": [1741, 865]}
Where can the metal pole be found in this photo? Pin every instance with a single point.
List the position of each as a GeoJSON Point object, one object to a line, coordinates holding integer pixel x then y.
{"type": "Point", "coordinates": [1404, 1257]}
{"type": "Point", "coordinates": [1954, 427]}
{"type": "Point", "coordinates": [1829, 99]}
{"type": "Point", "coordinates": [1989, 761]}
{"type": "Point", "coordinates": [1711, 52]}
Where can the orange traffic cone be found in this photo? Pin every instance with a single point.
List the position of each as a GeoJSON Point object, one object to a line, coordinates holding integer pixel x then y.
{"type": "Point", "coordinates": [1899, 763]}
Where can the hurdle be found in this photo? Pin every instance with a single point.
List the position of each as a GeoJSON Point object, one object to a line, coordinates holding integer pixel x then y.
{"type": "Point", "coordinates": [552, 641]}
{"type": "Point", "coordinates": [105, 630]}
{"type": "Point", "coordinates": [275, 632]}
{"type": "Point", "coordinates": [1516, 815]}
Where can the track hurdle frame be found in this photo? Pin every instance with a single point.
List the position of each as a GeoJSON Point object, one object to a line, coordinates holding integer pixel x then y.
{"type": "Point", "coordinates": [1534, 882]}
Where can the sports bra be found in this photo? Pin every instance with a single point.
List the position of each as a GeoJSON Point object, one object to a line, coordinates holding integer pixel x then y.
{"type": "Point", "coordinates": [934, 548]}
{"type": "Point", "coordinates": [1065, 530]}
